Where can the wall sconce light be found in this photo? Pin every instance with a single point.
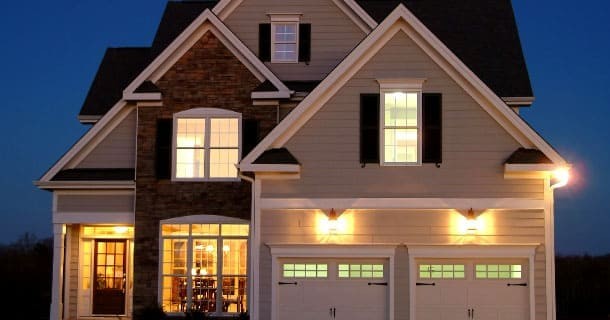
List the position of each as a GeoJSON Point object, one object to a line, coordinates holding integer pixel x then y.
{"type": "Point", "coordinates": [333, 221]}
{"type": "Point", "coordinates": [471, 222]}
{"type": "Point", "coordinates": [560, 177]}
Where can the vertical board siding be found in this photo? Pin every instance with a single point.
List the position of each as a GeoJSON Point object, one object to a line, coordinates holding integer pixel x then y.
{"type": "Point", "coordinates": [333, 34]}
{"type": "Point", "coordinates": [74, 270]}
{"type": "Point", "coordinates": [405, 227]}
{"type": "Point", "coordinates": [474, 147]}
{"type": "Point", "coordinates": [117, 150]}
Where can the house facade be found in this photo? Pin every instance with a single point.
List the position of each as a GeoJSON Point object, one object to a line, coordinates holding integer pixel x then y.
{"type": "Point", "coordinates": [321, 159]}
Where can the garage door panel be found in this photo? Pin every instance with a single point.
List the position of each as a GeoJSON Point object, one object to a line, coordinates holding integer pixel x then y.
{"type": "Point", "coordinates": [442, 313]}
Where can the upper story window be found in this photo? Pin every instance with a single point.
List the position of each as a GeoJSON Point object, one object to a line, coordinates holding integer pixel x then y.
{"type": "Point", "coordinates": [206, 144]}
{"type": "Point", "coordinates": [284, 38]}
{"type": "Point", "coordinates": [400, 120]}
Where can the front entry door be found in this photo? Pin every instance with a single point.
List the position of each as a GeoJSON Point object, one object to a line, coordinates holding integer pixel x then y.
{"type": "Point", "coordinates": [110, 277]}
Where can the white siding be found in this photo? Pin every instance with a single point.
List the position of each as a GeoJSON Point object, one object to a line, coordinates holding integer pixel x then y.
{"type": "Point", "coordinates": [95, 203]}
{"type": "Point", "coordinates": [475, 146]}
{"type": "Point", "coordinates": [333, 34]}
{"type": "Point", "coordinates": [117, 150]}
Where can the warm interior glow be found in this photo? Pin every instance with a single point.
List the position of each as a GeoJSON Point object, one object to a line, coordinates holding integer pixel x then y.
{"type": "Point", "coordinates": [561, 176]}
{"type": "Point", "coordinates": [121, 229]}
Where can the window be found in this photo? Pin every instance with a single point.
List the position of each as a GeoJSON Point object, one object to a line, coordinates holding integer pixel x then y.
{"type": "Point", "coordinates": [305, 270]}
{"type": "Point", "coordinates": [498, 271]}
{"type": "Point", "coordinates": [284, 38]}
{"type": "Point", "coordinates": [400, 121]}
{"type": "Point", "coordinates": [207, 144]}
{"type": "Point", "coordinates": [442, 271]}
{"type": "Point", "coordinates": [204, 267]}
{"type": "Point", "coordinates": [371, 271]}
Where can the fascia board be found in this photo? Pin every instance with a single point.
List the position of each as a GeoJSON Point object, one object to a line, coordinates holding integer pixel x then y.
{"type": "Point", "coordinates": [271, 95]}
{"type": "Point", "coordinates": [439, 53]}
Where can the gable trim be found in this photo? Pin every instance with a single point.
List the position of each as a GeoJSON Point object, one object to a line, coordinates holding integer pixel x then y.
{"type": "Point", "coordinates": [206, 22]}
{"type": "Point", "coordinates": [363, 20]}
{"type": "Point", "coordinates": [401, 19]}
{"type": "Point", "coordinates": [109, 119]}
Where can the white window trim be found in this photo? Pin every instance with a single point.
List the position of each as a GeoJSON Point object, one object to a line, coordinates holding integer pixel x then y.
{"type": "Point", "coordinates": [203, 219]}
{"type": "Point", "coordinates": [413, 85]}
{"type": "Point", "coordinates": [207, 114]}
{"type": "Point", "coordinates": [284, 18]}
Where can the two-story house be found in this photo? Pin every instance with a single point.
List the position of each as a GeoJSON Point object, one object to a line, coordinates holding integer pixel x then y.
{"type": "Point", "coordinates": [310, 159]}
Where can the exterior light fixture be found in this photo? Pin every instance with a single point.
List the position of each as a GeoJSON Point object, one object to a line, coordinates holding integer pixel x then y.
{"type": "Point", "coordinates": [560, 176]}
{"type": "Point", "coordinates": [471, 222]}
{"type": "Point", "coordinates": [333, 221]}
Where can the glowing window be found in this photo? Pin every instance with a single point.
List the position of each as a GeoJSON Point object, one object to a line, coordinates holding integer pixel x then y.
{"type": "Point", "coordinates": [305, 270]}
{"type": "Point", "coordinates": [206, 144]}
{"type": "Point", "coordinates": [367, 271]}
{"type": "Point", "coordinates": [401, 123]}
{"type": "Point", "coordinates": [498, 271]}
{"type": "Point", "coordinates": [191, 267]}
{"type": "Point", "coordinates": [442, 271]}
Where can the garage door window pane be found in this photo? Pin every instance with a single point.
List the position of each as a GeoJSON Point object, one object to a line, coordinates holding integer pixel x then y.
{"type": "Point", "coordinates": [498, 271]}
{"type": "Point", "coordinates": [367, 271]}
{"type": "Point", "coordinates": [292, 270]}
{"type": "Point", "coordinates": [441, 271]}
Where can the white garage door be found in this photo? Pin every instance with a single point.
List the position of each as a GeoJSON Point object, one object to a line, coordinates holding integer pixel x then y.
{"type": "Point", "coordinates": [322, 289]}
{"type": "Point", "coordinates": [472, 290]}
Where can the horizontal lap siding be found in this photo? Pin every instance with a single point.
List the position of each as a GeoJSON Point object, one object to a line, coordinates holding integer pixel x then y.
{"type": "Point", "coordinates": [333, 34]}
{"type": "Point", "coordinates": [475, 146]}
{"type": "Point", "coordinates": [95, 203]}
{"type": "Point", "coordinates": [404, 227]}
{"type": "Point", "coordinates": [117, 150]}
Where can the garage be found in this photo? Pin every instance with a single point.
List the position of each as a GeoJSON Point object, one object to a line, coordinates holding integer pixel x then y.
{"type": "Point", "coordinates": [481, 289]}
{"type": "Point", "coordinates": [342, 289]}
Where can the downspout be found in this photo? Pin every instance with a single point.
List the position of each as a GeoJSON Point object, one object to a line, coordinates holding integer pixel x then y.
{"type": "Point", "coordinates": [253, 246]}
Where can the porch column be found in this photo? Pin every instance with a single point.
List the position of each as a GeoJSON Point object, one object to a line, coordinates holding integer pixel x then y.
{"type": "Point", "coordinates": [59, 233]}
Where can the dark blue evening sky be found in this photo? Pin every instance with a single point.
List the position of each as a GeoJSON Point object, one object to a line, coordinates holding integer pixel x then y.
{"type": "Point", "coordinates": [51, 50]}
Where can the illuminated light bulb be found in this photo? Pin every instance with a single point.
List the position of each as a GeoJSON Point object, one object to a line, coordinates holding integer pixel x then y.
{"type": "Point", "coordinates": [471, 222]}
{"type": "Point", "coordinates": [562, 176]}
{"type": "Point", "coordinates": [121, 229]}
{"type": "Point", "coordinates": [226, 248]}
{"type": "Point", "coordinates": [209, 248]}
{"type": "Point", "coordinates": [333, 221]}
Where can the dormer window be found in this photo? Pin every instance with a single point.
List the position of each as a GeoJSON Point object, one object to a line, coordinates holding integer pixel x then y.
{"type": "Point", "coordinates": [206, 144]}
{"type": "Point", "coordinates": [285, 39]}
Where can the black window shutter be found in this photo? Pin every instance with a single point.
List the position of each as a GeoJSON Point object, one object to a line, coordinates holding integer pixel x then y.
{"type": "Point", "coordinates": [305, 42]}
{"type": "Point", "coordinates": [432, 131]}
{"type": "Point", "coordinates": [369, 128]}
{"type": "Point", "coordinates": [163, 160]}
{"type": "Point", "coordinates": [249, 136]}
{"type": "Point", "coordinates": [264, 41]}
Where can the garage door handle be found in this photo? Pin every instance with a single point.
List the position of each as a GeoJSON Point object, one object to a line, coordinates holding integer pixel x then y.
{"type": "Point", "coordinates": [282, 283]}
{"type": "Point", "coordinates": [378, 283]}
{"type": "Point", "coordinates": [425, 284]}
{"type": "Point", "coordinates": [524, 284]}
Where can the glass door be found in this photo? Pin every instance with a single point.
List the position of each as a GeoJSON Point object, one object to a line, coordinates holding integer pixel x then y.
{"type": "Point", "coordinates": [109, 277]}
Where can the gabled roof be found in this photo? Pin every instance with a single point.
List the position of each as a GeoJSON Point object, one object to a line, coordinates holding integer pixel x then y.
{"type": "Point", "coordinates": [528, 156]}
{"type": "Point", "coordinates": [482, 33]}
{"type": "Point", "coordinates": [276, 156]}
{"type": "Point", "coordinates": [402, 20]}
{"type": "Point", "coordinates": [205, 22]}
{"type": "Point", "coordinates": [117, 69]}
{"type": "Point", "coordinates": [102, 174]}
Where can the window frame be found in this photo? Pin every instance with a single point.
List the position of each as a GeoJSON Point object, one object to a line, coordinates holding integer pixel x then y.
{"type": "Point", "coordinates": [278, 19]}
{"type": "Point", "coordinates": [189, 241]}
{"type": "Point", "coordinates": [207, 114]}
{"type": "Point", "coordinates": [405, 86]}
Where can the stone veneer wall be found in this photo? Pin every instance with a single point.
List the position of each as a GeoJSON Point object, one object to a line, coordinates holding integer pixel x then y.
{"type": "Point", "coordinates": [207, 76]}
